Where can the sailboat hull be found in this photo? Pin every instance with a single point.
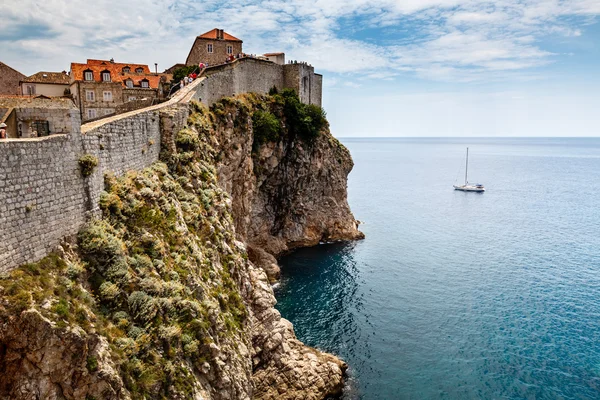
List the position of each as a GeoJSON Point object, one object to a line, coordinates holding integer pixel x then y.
{"type": "Point", "coordinates": [469, 188]}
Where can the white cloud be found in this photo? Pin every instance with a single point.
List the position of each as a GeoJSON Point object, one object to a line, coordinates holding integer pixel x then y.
{"type": "Point", "coordinates": [461, 40]}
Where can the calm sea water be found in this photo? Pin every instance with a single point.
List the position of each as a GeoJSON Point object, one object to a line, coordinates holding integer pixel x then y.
{"type": "Point", "coordinates": [461, 295]}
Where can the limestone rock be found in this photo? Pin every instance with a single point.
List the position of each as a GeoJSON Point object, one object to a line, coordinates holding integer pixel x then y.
{"type": "Point", "coordinates": [41, 361]}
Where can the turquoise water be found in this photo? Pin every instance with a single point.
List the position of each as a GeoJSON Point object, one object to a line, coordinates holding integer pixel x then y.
{"type": "Point", "coordinates": [461, 295]}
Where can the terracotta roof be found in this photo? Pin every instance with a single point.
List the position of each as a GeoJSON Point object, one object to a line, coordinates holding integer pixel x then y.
{"type": "Point", "coordinates": [116, 72]}
{"type": "Point", "coordinates": [49, 77]}
{"type": "Point", "coordinates": [213, 35]}
{"type": "Point", "coordinates": [153, 80]}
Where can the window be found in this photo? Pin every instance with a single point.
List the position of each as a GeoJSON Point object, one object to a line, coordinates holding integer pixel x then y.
{"type": "Point", "coordinates": [107, 95]}
{"type": "Point", "coordinates": [229, 49]}
{"type": "Point", "coordinates": [139, 70]}
{"type": "Point", "coordinates": [106, 77]}
{"type": "Point", "coordinates": [132, 98]}
{"type": "Point", "coordinates": [210, 48]}
{"type": "Point", "coordinates": [29, 89]}
{"type": "Point", "coordinates": [41, 127]}
{"type": "Point", "coordinates": [90, 95]}
{"type": "Point", "coordinates": [126, 70]}
{"type": "Point", "coordinates": [91, 113]}
{"type": "Point", "coordinates": [145, 83]}
{"type": "Point", "coordinates": [129, 83]}
{"type": "Point", "coordinates": [88, 75]}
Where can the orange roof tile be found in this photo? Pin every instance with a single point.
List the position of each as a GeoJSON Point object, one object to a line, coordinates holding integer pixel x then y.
{"type": "Point", "coordinates": [116, 72]}
{"type": "Point", "coordinates": [213, 35]}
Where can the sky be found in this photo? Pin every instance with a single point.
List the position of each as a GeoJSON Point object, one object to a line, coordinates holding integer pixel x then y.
{"type": "Point", "coordinates": [390, 67]}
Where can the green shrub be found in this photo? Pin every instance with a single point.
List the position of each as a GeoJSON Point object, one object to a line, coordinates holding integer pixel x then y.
{"type": "Point", "coordinates": [109, 291]}
{"type": "Point", "coordinates": [87, 164]}
{"type": "Point", "coordinates": [142, 306]}
{"type": "Point", "coordinates": [303, 120]}
{"type": "Point", "coordinates": [61, 308]}
{"type": "Point", "coordinates": [100, 247]}
{"type": "Point", "coordinates": [182, 72]}
{"type": "Point", "coordinates": [267, 128]}
{"type": "Point", "coordinates": [111, 203]}
{"type": "Point", "coordinates": [92, 364]}
{"type": "Point", "coordinates": [318, 118]}
{"type": "Point", "coordinates": [187, 140]}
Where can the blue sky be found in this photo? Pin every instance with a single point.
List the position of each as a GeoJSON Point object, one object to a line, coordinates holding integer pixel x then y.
{"type": "Point", "coordinates": [391, 67]}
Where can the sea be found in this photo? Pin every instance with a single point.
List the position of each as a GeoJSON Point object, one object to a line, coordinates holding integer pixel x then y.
{"type": "Point", "coordinates": [457, 295]}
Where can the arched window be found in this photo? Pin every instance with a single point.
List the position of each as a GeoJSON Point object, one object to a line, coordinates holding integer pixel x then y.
{"type": "Point", "coordinates": [106, 76]}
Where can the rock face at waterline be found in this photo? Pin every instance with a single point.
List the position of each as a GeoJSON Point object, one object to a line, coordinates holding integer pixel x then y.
{"type": "Point", "coordinates": [168, 295]}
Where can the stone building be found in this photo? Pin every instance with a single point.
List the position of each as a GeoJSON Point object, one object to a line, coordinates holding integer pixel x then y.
{"type": "Point", "coordinates": [9, 80]}
{"type": "Point", "coordinates": [51, 84]}
{"type": "Point", "coordinates": [102, 87]}
{"type": "Point", "coordinates": [214, 47]}
{"type": "Point", "coordinates": [31, 117]}
{"type": "Point", "coordinates": [256, 75]}
{"type": "Point", "coordinates": [277, 58]}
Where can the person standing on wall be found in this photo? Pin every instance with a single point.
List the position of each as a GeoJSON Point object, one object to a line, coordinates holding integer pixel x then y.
{"type": "Point", "coordinates": [3, 132]}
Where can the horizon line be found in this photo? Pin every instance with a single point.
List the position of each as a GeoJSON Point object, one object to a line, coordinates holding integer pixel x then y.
{"type": "Point", "coordinates": [467, 137]}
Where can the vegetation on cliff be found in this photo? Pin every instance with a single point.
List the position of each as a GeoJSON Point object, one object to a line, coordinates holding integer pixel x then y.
{"type": "Point", "coordinates": [157, 275]}
{"type": "Point", "coordinates": [273, 114]}
{"type": "Point", "coordinates": [163, 280]}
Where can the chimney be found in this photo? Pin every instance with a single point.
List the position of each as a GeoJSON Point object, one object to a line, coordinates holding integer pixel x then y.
{"type": "Point", "coordinates": [220, 34]}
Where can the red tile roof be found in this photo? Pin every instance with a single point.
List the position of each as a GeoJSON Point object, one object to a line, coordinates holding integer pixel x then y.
{"type": "Point", "coordinates": [116, 72]}
{"type": "Point", "coordinates": [59, 78]}
{"type": "Point", "coordinates": [213, 35]}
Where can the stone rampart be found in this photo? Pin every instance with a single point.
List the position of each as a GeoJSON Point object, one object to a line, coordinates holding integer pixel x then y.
{"type": "Point", "coordinates": [259, 76]}
{"type": "Point", "coordinates": [45, 198]}
{"type": "Point", "coordinates": [43, 195]}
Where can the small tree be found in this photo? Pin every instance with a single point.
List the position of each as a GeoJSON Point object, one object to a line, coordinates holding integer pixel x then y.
{"type": "Point", "coordinates": [266, 126]}
{"type": "Point", "coordinates": [182, 72]}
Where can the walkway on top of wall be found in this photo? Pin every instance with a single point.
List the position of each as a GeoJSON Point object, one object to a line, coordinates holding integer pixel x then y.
{"type": "Point", "coordinates": [184, 95]}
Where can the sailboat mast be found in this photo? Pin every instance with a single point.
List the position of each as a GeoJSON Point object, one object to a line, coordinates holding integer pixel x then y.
{"type": "Point", "coordinates": [467, 166]}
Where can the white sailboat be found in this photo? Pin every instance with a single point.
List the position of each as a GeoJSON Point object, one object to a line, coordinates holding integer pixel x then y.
{"type": "Point", "coordinates": [469, 187]}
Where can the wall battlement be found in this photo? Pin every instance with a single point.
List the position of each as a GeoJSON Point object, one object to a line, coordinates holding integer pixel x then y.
{"type": "Point", "coordinates": [45, 198]}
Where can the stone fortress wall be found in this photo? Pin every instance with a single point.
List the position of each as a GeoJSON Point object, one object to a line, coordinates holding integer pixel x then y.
{"type": "Point", "coordinates": [45, 198]}
{"type": "Point", "coordinates": [254, 75]}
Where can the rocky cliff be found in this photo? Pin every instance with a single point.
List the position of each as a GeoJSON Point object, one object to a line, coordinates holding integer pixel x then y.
{"type": "Point", "coordinates": [168, 295]}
